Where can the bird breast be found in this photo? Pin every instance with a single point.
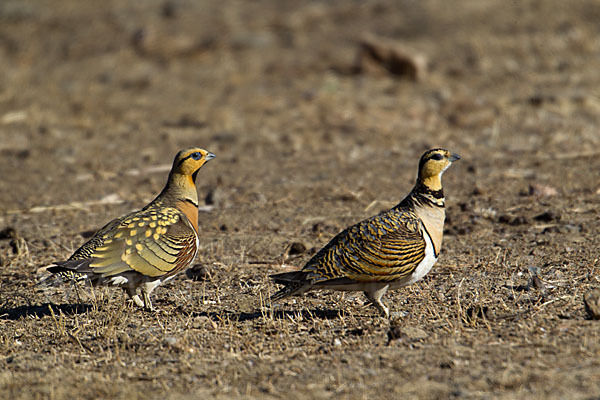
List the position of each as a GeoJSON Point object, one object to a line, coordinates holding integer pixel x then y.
{"type": "Point", "coordinates": [433, 220]}
{"type": "Point", "coordinates": [190, 211]}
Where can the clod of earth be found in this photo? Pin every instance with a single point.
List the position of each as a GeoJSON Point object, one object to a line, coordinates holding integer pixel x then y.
{"type": "Point", "coordinates": [591, 300]}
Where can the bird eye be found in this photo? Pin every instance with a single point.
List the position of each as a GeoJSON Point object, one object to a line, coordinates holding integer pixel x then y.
{"type": "Point", "coordinates": [437, 156]}
{"type": "Point", "coordinates": [196, 156]}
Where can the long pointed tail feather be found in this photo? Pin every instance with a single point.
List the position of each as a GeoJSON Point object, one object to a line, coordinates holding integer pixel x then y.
{"type": "Point", "coordinates": [288, 277]}
{"type": "Point", "coordinates": [295, 283]}
{"type": "Point", "coordinates": [64, 271]}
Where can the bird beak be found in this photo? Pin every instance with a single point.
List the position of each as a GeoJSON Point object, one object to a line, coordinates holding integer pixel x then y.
{"type": "Point", "coordinates": [209, 156]}
{"type": "Point", "coordinates": [454, 157]}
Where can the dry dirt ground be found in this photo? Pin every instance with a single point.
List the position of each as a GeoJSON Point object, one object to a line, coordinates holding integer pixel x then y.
{"type": "Point", "coordinates": [97, 97]}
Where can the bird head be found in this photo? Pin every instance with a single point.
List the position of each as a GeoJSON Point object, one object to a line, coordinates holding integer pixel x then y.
{"type": "Point", "coordinates": [433, 164]}
{"type": "Point", "coordinates": [189, 161]}
{"type": "Point", "coordinates": [181, 184]}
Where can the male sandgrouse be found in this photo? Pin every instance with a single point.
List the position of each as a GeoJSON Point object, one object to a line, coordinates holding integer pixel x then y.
{"type": "Point", "coordinates": [392, 249]}
{"type": "Point", "coordinates": [141, 250]}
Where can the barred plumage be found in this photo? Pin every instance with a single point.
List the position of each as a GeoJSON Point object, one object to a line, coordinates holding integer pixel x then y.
{"type": "Point", "coordinates": [143, 249]}
{"type": "Point", "coordinates": [392, 249]}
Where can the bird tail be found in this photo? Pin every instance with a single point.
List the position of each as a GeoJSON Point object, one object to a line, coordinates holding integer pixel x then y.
{"type": "Point", "coordinates": [60, 272]}
{"type": "Point", "coordinates": [295, 283]}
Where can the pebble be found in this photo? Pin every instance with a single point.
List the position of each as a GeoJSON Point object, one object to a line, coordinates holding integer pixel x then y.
{"type": "Point", "coordinates": [408, 333]}
{"type": "Point", "coordinates": [547, 216]}
{"type": "Point", "coordinates": [536, 189]}
{"type": "Point", "coordinates": [198, 273]}
{"type": "Point", "coordinates": [591, 300]}
{"type": "Point", "coordinates": [297, 248]}
{"type": "Point", "coordinates": [382, 53]}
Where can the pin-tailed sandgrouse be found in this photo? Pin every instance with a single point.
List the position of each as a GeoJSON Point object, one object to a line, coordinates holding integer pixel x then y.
{"type": "Point", "coordinates": [141, 250]}
{"type": "Point", "coordinates": [392, 249]}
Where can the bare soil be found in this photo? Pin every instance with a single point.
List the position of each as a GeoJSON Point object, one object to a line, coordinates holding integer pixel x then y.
{"type": "Point", "coordinates": [97, 97]}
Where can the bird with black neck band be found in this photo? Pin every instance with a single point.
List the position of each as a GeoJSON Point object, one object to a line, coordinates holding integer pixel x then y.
{"type": "Point", "coordinates": [395, 248]}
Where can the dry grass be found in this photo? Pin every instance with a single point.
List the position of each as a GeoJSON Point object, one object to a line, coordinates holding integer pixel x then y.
{"type": "Point", "coordinates": [305, 147]}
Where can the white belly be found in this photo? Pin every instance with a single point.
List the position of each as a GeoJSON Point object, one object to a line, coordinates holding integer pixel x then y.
{"type": "Point", "coordinates": [424, 266]}
{"type": "Point", "coordinates": [422, 269]}
{"type": "Point", "coordinates": [148, 287]}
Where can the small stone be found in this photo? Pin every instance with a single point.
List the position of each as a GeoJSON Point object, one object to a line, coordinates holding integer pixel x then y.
{"type": "Point", "coordinates": [514, 221]}
{"type": "Point", "coordinates": [153, 42]}
{"type": "Point", "coordinates": [547, 216]}
{"type": "Point", "coordinates": [8, 233]}
{"type": "Point", "coordinates": [477, 191]}
{"type": "Point", "coordinates": [200, 322]}
{"type": "Point", "coordinates": [591, 300]}
{"type": "Point", "coordinates": [406, 333]}
{"type": "Point", "coordinates": [296, 248]}
{"type": "Point", "coordinates": [538, 99]}
{"type": "Point", "coordinates": [377, 53]}
{"type": "Point", "coordinates": [186, 121]}
{"type": "Point", "coordinates": [13, 117]}
{"type": "Point", "coordinates": [536, 189]}
{"type": "Point", "coordinates": [399, 314]}
{"type": "Point", "coordinates": [198, 273]}
{"type": "Point", "coordinates": [356, 332]}
{"type": "Point", "coordinates": [168, 9]}
{"type": "Point", "coordinates": [171, 341]}
{"type": "Point", "coordinates": [337, 342]}
{"type": "Point", "coordinates": [413, 333]}
{"type": "Point", "coordinates": [87, 234]}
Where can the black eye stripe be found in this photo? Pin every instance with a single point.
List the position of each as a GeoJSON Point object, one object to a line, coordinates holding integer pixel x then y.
{"type": "Point", "coordinates": [199, 155]}
{"type": "Point", "coordinates": [436, 156]}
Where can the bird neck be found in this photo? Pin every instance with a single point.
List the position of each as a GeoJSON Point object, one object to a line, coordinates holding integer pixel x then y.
{"type": "Point", "coordinates": [179, 188]}
{"type": "Point", "coordinates": [433, 182]}
{"type": "Point", "coordinates": [429, 191]}
{"type": "Point", "coordinates": [180, 192]}
{"type": "Point", "coordinates": [428, 204]}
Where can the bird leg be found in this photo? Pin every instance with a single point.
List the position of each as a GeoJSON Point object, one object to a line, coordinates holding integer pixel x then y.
{"type": "Point", "coordinates": [136, 299]}
{"type": "Point", "coordinates": [134, 296]}
{"type": "Point", "coordinates": [147, 302]}
{"type": "Point", "coordinates": [147, 288]}
{"type": "Point", "coordinates": [374, 297]}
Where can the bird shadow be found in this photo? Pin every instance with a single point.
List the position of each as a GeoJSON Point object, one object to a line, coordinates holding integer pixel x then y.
{"type": "Point", "coordinates": [279, 314]}
{"type": "Point", "coordinates": [43, 310]}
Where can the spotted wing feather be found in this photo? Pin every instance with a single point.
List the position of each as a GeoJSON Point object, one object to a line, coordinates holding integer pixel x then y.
{"type": "Point", "coordinates": [152, 242]}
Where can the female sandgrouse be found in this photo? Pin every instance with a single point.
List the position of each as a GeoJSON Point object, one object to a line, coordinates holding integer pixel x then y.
{"type": "Point", "coordinates": [143, 249]}
{"type": "Point", "coordinates": [392, 249]}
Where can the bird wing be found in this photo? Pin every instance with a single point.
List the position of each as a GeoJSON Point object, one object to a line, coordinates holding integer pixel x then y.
{"type": "Point", "coordinates": [151, 242]}
{"type": "Point", "coordinates": [386, 247]}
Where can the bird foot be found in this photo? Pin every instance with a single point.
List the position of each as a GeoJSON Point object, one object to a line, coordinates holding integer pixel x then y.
{"type": "Point", "coordinates": [136, 299]}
